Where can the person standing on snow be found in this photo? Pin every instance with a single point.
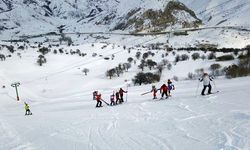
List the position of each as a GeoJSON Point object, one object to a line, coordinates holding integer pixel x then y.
{"type": "Point", "coordinates": [154, 90]}
{"type": "Point", "coordinates": [27, 109]}
{"type": "Point", "coordinates": [170, 86]}
{"type": "Point", "coordinates": [206, 83]}
{"type": "Point", "coordinates": [117, 98]}
{"type": "Point", "coordinates": [94, 95]}
{"type": "Point", "coordinates": [112, 99]}
{"type": "Point", "coordinates": [121, 91]}
{"type": "Point", "coordinates": [164, 91]}
{"type": "Point", "coordinates": [98, 100]}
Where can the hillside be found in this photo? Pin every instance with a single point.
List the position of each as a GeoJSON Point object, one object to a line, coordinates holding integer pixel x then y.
{"type": "Point", "coordinates": [65, 117]}
{"type": "Point", "coordinates": [221, 12]}
{"type": "Point", "coordinates": [223, 23]}
{"type": "Point", "coordinates": [59, 52]}
{"type": "Point", "coordinates": [39, 16]}
{"type": "Point", "coordinates": [68, 122]}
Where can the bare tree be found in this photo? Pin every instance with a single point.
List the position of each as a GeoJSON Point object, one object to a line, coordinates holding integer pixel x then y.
{"type": "Point", "coordinates": [110, 73]}
{"type": "Point", "coordinates": [126, 66]}
{"type": "Point", "coordinates": [151, 63]}
{"type": "Point", "coordinates": [138, 55]}
{"type": "Point", "coordinates": [130, 59]}
{"type": "Point", "coordinates": [160, 68]}
{"type": "Point", "coordinates": [85, 71]}
{"type": "Point", "coordinates": [41, 60]}
{"type": "Point", "coordinates": [215, 69]}
{"type": "Point", "coordinates": [195, 56]}
{"type": "Point", "coordinates": [118, 71]}
{"type": "Point", "coordinates": [164, 62]}
{"type": "Point", "coordinates": [142, 65]}
{"type": "Point", "coordinates": [145, 55]}
{"type": "Point", "coordinates": [169, 66]}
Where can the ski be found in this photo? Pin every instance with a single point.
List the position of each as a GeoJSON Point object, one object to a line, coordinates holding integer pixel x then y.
{"type": "Point", "coordinates": [98, 106]}
{"type": "Point", "coordinates": [213, 93]}
{"type": "Point", "coordinates": [28, 114]}
{"type": "Point", "coordinates": [160, 99]}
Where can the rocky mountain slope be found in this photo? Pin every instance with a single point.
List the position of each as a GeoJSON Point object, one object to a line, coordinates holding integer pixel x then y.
{"type": "Point", "coordinates": [22, 17]}
{"type": "Point", "coordinates": [216, 20]}
{"type": "Point", "coordinates": [221, 12]}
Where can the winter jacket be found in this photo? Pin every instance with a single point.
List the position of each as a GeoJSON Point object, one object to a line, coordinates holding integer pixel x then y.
{"type": "Point", "coordinates": [154, 90]}
{"type": "Point", "coordinates": [112, 97]}
{"type": "Point", "coordinates": [121, 91]}
{"type": "Point", "coordinates": [170, 85]}
{"type": "Point", "coordinates": [98, 97]}
{"type": "Point", "coordinates": [206, 80]}
{"type": "Point", "coordinates": [27, 107]}
{"type": "Point", "coordinates": [117, 95]}
{"type": "Point", "coordinates": [164, 88]}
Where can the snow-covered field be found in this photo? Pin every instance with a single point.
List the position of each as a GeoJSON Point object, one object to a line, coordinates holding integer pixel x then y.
{"type": "Point", "coordinates": [60, 95]}
{"type": "Point", "coordinates": [184, 121]}
{"type": "Point", "coordinates": [65, 117]}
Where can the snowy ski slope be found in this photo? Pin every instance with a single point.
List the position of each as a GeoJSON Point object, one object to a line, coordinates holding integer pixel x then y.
{"type": "Point", "coordinates": [65, 117]}
{"type": "Point", "coordinates": [185, 121]}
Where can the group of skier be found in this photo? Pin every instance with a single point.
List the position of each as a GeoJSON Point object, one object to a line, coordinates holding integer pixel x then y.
{"type": "Point", "coordinates": [115, 99]}
{"type": "Point", "coordinates": [165, 90]}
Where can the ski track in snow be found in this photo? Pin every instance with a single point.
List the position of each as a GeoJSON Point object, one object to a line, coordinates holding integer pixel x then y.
{"type": "Point", "coordinates": [219, 121]}
{"type": "Point", "coordinates": [9, 139]}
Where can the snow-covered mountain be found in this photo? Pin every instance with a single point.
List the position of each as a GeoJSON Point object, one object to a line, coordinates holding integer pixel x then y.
{"type": "Point", "coordinates": [221, 12]}
{"type": "Point", "coordinates": [226, 20]}
{"type": "Point", "coordinates": [101, 15]}
{"type": "Point", "coordinates": [229, 16]}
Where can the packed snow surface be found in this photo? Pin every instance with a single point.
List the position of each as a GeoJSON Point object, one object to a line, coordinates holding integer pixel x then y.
{"type": "Point", "coordinates": [184, 121]}
{"type": "Point", "coordinates": [65, 117]}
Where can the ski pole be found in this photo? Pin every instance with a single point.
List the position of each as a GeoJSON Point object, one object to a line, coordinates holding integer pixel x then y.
{"type": "Point", "coordinates": [215, 86]}
{"type": "Point", "coordinates": [105, 102]}
{"type": "Point", "coordinates": [127, 94]}
{"type": "Point", "coordinates": [198, 85]}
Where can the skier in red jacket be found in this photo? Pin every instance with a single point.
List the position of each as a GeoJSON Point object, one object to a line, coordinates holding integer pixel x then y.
{"type": "Point", "coordinates": [98, 100]}
{"type": "Point", "coordinates": [117, 98]}
{"type": "Point", "coordinates": [121, 91]}
{"type": "Point", "coordinates": [164, 91]}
